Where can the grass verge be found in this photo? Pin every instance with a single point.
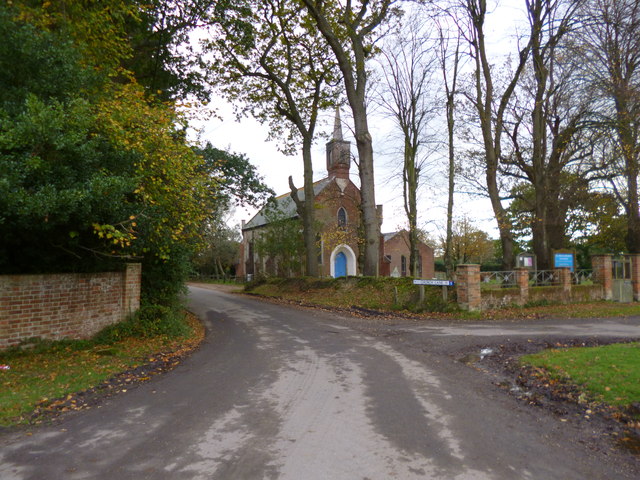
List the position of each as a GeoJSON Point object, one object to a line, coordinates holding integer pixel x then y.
{"type": "Point", "coordinates": [608, 374]}
{"type": "Point", "coordinates": [598, 309]}
{"type": "Point", "coordinates": [382, 293]}
{"type": "Point", "coordinates": [45, 377]}
{"type": "Point", "coordinates": [399, 294]}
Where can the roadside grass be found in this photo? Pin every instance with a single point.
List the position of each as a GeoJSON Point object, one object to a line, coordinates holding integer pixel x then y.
{"type": "Point", "coordinates": [382, 293]}
{"type": "Point", "coordinates": [48, 371]}
{"type": "Point", "coordinates": [609, 373]}
{"type": "Point", "coordinates": [598, 309]}
{"type": "Point", "coordinates": [399, 294]}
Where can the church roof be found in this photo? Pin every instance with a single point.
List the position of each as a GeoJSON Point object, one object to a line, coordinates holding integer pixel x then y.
{"type": "Point", "coordinates": [285, 205]}
{"type": "Point", "coordinates": [389, 236]}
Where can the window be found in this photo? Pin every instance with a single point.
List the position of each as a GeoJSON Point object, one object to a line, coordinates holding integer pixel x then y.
{"type": "Point", "coordinates": [342, 217]}
{"type": "Point", "coordinates": [403, 266]}
{"type": "Point", "coordinates": [419, 273]}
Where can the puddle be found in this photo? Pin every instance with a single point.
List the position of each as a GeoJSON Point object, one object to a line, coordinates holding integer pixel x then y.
{"type": "Point", "coordinates": [485, 352]}
{"type": "Point", "coordinates": [472, 358]}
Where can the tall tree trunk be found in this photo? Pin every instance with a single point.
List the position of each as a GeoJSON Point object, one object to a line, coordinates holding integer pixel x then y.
{"type": "Point", "coordinates": [410, 187]}
{"type": "Point", "coordinates": [538, 170]}
{"type": "Point", "coordinates": [492, 120]}
{"type": "Point", "coordinates": [308, 218]}
{"type": "Point", "coordinates": [448, 258]}
{"type": "Point", "coordinates": [306, 210]}
{"type": "Point", "coordinates": [504, 225]}
{"type": "Point", "coordinates": [630, 151]}
{"type": "Point", "coordinates": [539, 229]}
{"type": "Point", "coordinates": [370, 222]}
{"type": "Point", "coordinates": [347, 41]}
{"type": "Point", "coordinates": [633, 216]}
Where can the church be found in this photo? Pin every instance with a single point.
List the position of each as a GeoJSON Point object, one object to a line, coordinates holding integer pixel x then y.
{"type": "Point", "coordinates": [337, 201]}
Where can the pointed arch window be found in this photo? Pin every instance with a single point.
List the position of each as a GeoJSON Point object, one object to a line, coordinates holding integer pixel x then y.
{"type": "Point", "coordinates": [342, 217]}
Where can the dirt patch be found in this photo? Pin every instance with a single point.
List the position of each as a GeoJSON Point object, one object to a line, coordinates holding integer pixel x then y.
{"type": "Point", "coordinates": [604, 423]}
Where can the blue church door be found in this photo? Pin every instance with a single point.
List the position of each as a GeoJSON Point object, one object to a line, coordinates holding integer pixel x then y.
{"type": "Point", "coordinates": [341, 265]}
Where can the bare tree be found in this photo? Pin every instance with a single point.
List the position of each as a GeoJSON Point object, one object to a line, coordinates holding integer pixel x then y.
{"type": "Point", "coordinates": [449, 59]}
{"type": "Point", "coordinates": [408, 65]}
{"type": "Point", "coordinates": [546, 126]}
{"type": "Point", "coordinates": [491, 107]}
{"type": "Point", "coordinates": [610, 48]}
{"type": "Point", "coordinates": [348, 28]}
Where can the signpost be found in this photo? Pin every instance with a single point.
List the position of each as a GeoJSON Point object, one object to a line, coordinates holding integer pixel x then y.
{"type": "Point", "coordinates": [439, 283]}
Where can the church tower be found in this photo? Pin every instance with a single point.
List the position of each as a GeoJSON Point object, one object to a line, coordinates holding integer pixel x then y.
{"type": "Point", "coordinates": [338, 151]}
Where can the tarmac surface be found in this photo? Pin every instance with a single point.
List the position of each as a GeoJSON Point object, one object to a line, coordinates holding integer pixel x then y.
{"type": "Point", "coordinates": [283, 392]}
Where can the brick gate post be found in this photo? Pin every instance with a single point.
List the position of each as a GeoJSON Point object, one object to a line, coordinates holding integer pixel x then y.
{"type": "Point", "coordinates": [131, 291]}
{"type": "Point", "coordinates": [602, 274]}
{"type": "Point", "coordinates": [468, 287]}
{"type": "Point", "coordinates": [564, 274]}
{"type": "Point", "coordinates": [635, 276]}
{"type": "Point", "coordinates": [522, 280]}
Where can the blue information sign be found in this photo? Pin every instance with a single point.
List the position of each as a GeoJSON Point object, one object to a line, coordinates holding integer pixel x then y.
{"type": "Point", "coordinates": [563, 260]}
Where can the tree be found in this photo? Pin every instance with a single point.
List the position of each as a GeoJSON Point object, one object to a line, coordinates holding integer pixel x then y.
{"type": "Point", "coordinates": [449, 53]}
{"type": "Point", "coordinates": [609, 45]}
{"type": "Point", "coordinates": [222, 249]}
{"type": "Point", "coordinates": [490, 107]}
{"type": "Point", "coordinates": [546, 126]}
{"type": "Point", "coordinates": [408, 65]}
{"type": "Point", "coordinates": [348, 29]}
{"type": "Point", "coordinates": [280, 245]}
{"type": "Point", "coordinates": [266, 60]}
{"type": "Point", "coordinates": [58, 175]}
{"type": "Point", "coordinates": [234, 179]}
{"type": "Point", "coordinates": [92, 172]}
{"type": "Point", "coordinates": [469, 244]}
{"type": "Point", "coordinates": [162, 58]}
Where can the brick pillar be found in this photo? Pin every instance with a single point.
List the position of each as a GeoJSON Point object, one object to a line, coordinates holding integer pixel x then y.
{"type": "Point", "coordinates": [468, 287]}
{"type": "Point", "coordinates": [131, 290]}
{"type": "Point", "coordinates": [635, 276]}
{"type": "Point", "coordinates": [522, 280]}
{"type": "Point", "coordinates": [241, 270]}
{"type": "Point", "coordinates": [602, 274]}
{"type": "Point", "coordinates": [564, 274]}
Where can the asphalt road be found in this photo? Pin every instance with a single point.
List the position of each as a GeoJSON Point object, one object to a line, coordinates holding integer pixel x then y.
{"type": "Point", "coordinates": [279, 392]}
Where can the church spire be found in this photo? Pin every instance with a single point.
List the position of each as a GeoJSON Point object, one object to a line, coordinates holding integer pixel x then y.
{"type": "Point", "coordinates": [338, 151]}
{"type": "Point", "coordinates": [337, 126]}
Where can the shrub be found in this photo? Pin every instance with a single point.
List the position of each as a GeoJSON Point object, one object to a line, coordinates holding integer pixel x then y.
{"type": "Point", "coordinates": [148, 321]}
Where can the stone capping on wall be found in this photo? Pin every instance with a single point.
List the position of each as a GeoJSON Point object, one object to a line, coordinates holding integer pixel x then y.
{"type": "Point", "coordinates": [56, 306]}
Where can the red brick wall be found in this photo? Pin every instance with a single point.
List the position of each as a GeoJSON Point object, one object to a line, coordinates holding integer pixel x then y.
{"type": "Point", "coordinates": [398, 245]}
{"type": "Point", "coordinates": [65, 305]}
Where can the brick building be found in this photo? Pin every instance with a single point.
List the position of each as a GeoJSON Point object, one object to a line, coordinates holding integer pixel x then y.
{"type": "Point", "coordinates": [337, 201]}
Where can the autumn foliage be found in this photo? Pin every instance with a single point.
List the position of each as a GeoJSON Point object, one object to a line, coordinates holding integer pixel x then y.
{"type": "Point", "coordinates": [94, 169]}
